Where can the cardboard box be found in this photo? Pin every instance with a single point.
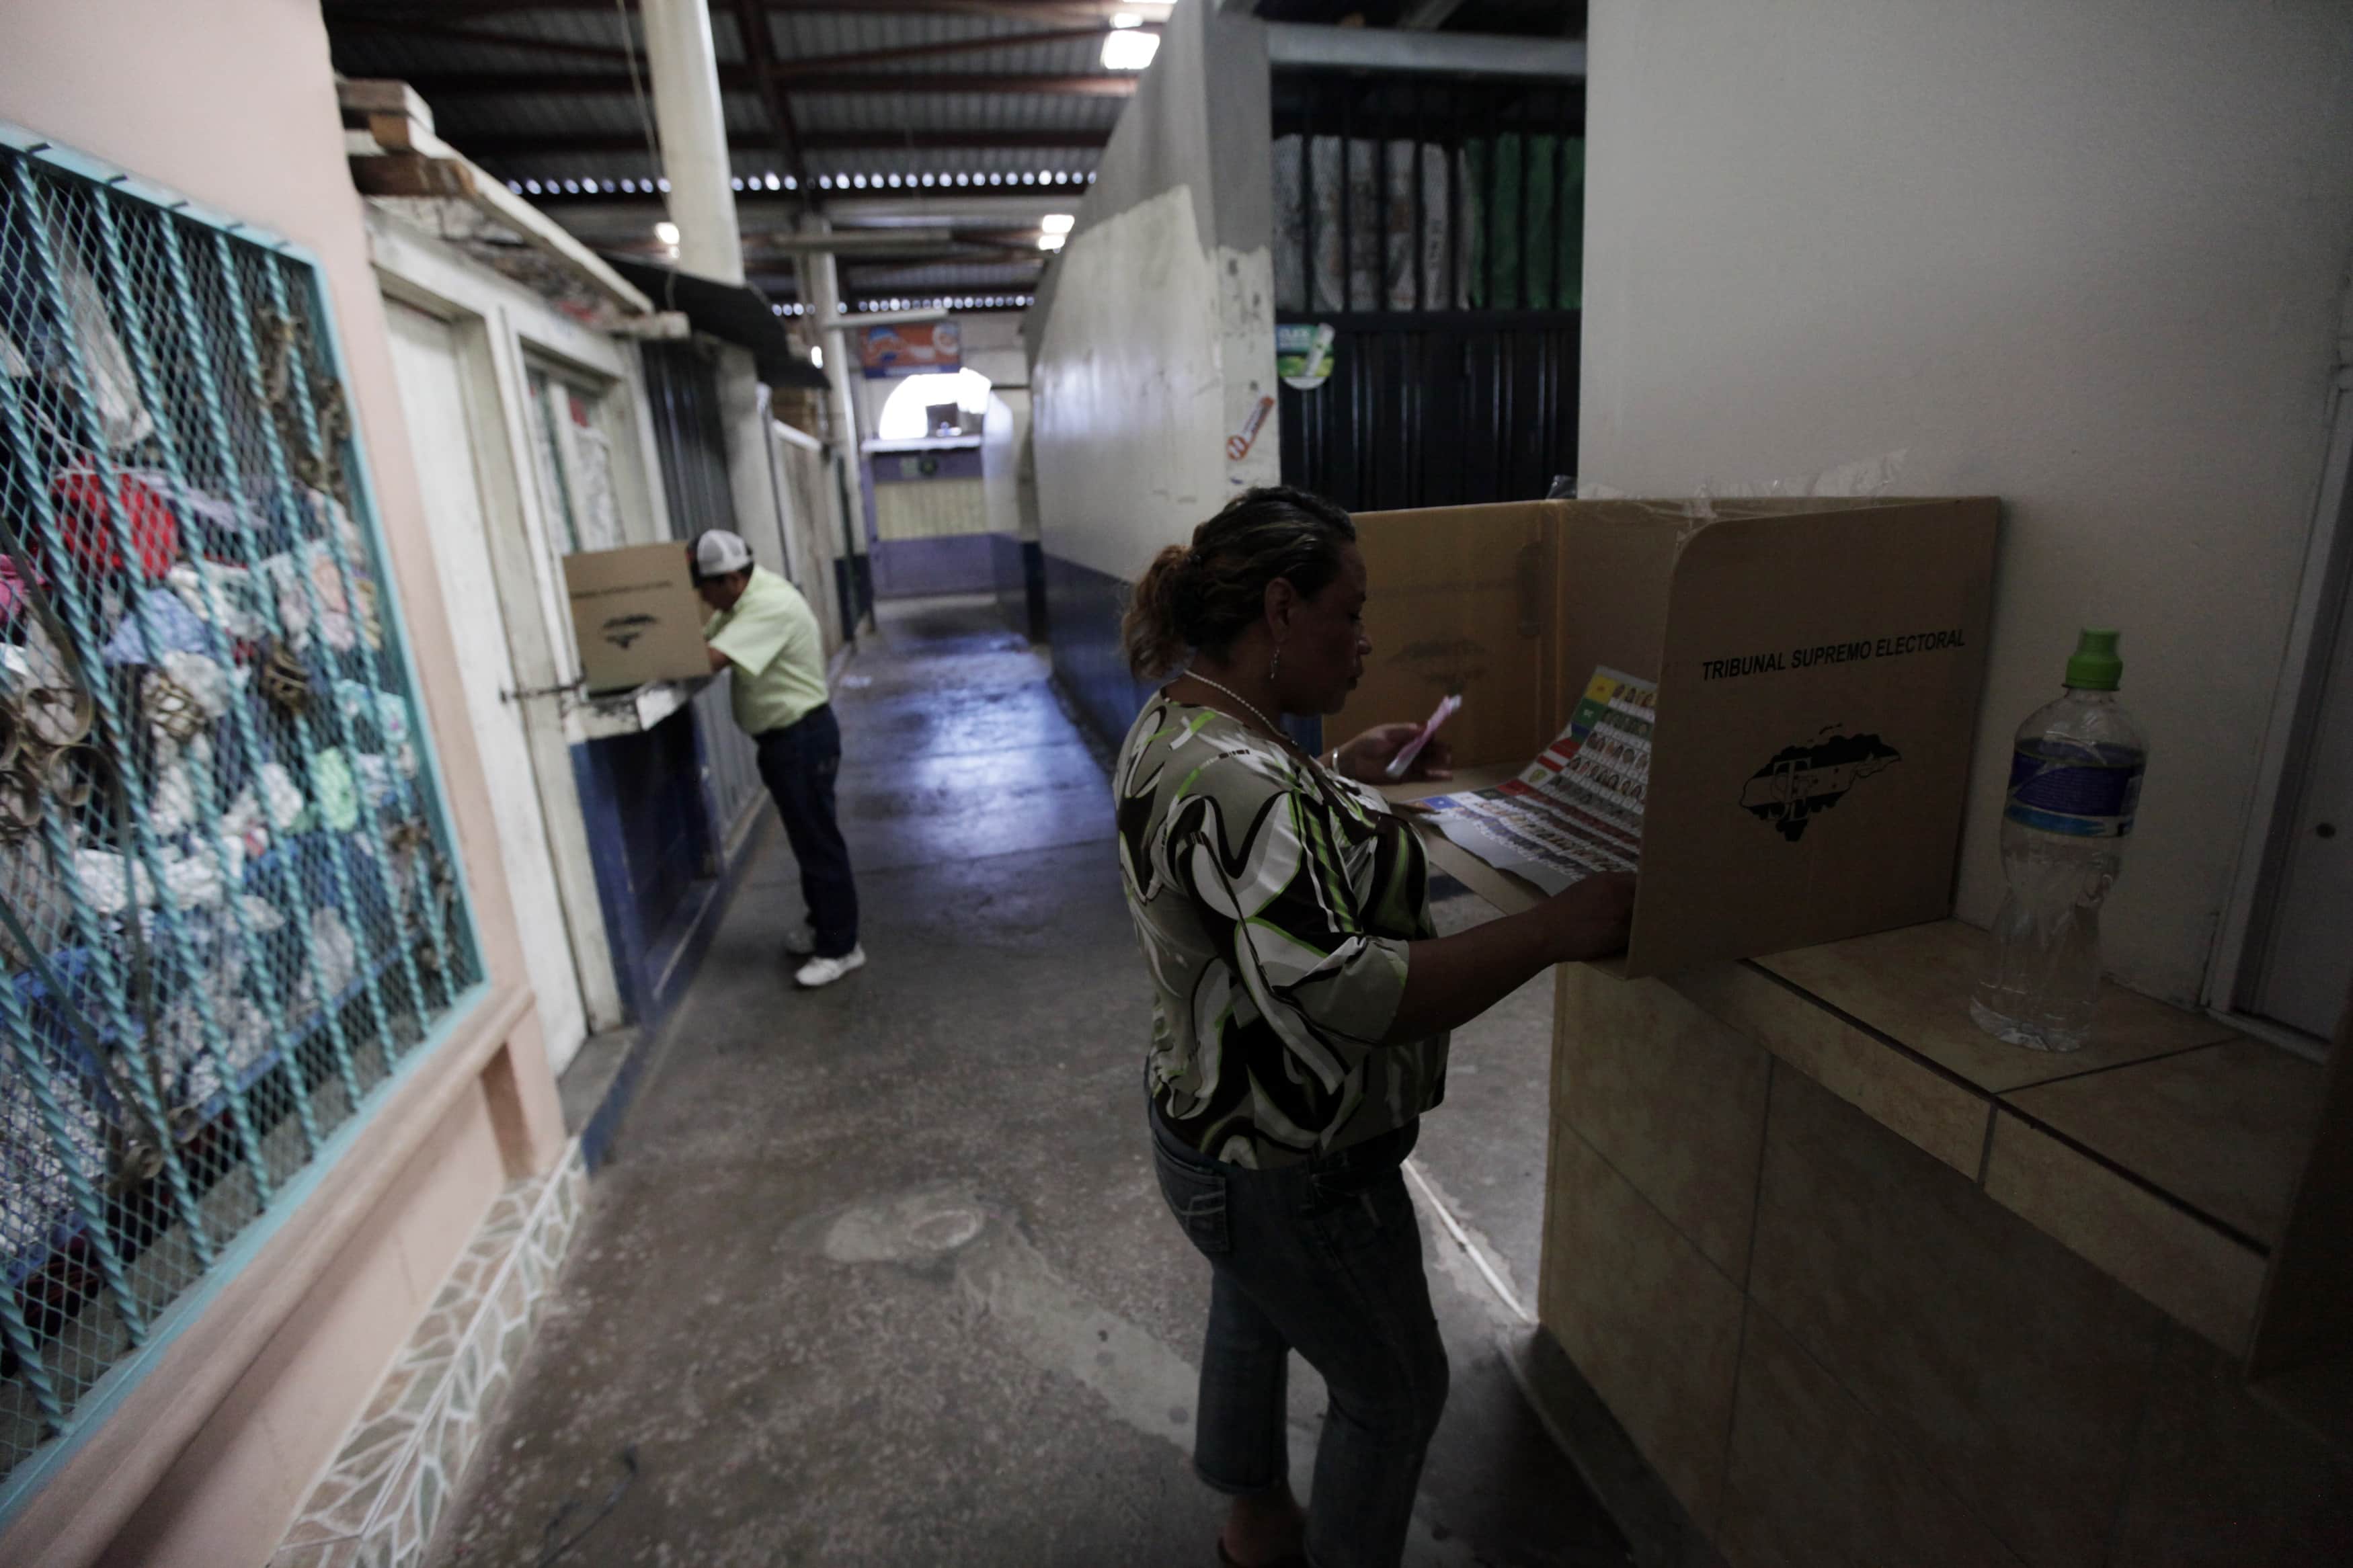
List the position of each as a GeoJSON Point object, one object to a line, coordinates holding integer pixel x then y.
{"type": "Point", "coordinates": [1819, 665]}
{"type": "Point", "coordinates": [636, 615]}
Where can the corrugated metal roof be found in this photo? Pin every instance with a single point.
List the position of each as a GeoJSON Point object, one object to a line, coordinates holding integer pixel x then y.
{"type": "Point", "coordinates": [746, 115]}
{"type": "Point", "coordinates": [975, 165]}
{"type": "Point", "coordinates": [726, 42]}
{"type": "Point", "coordinates": [981, 112]}
{"type": "Point", "coordinates": [819, 35]}
{"type": "Point", "coordinates": [942, 275]}
{"type": "Point", "coordinates": [536, 136]}
{"type": "Point", "coordinates": [605, 25]}
{"type": "Point", "coordinates": [1011, 168]}
{"type": "Point", "coordinates": [406, 56]}
{"type": "Point", "coordinates": [536, 114]}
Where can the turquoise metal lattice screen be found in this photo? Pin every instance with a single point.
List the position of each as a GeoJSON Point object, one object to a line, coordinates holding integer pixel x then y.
{"type": "Point", "coordinates": [229, 912]}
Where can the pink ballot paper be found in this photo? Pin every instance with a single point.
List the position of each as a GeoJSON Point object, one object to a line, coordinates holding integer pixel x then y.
{"type": "Point", "coordinates": [1412, 749]}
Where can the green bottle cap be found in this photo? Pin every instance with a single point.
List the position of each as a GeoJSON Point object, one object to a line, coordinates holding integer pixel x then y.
{"type": "Point", "coordinates": [2096, 666]}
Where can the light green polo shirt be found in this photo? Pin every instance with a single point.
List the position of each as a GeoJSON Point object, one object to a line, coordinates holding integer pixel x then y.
{"type": "Point", "coordinates": [771, 639]}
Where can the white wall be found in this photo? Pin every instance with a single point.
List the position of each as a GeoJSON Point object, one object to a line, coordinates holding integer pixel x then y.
{"type": "Point", "coordinates": [1004, 444]}
{"type": "Point", "coordinates": [2090, 257]}
{"type": "Point", "coordinates": [992, 344]}
{"type": "Point", "coordinates": [1132, 403]}
{"type": "Point", "coordinates": [1154, 334]}
{"type": "Point", "coordinates": [744, 415]}
{"type": "Point", "coordinates": [505, 329]}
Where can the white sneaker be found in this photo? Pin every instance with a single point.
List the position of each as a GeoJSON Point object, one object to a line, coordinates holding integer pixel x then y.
{"type": "Point", "coordinates": [819, 972]}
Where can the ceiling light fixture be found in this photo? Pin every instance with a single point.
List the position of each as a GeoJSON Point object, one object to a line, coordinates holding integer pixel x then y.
{"type": "Point", "coordinates": [1126, 47]}
{"type": "Point", "coordinates": [1053, 241]}
{"type": "Point", "coordinates": [1057, 223]}
{"type": "Point", "coordinates": [667, 232]}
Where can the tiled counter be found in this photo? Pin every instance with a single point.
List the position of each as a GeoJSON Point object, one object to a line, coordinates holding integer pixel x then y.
{"type": "Point", "coordinates": [1866, 1286]}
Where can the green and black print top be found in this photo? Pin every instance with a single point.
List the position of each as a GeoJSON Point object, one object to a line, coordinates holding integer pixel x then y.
{"type": "Point", "coordinates": [1273, 901]}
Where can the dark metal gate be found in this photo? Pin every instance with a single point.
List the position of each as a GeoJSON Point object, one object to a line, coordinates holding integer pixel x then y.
{"type": "Point", "coordinates": [691, 436]}
{"type": "Point", "coordinates": [1437, 409]}
{"type": "Point", "coordinates": [1429, 260]}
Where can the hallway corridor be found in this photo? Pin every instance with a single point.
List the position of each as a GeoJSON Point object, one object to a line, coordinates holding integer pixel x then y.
{"type": "Point", "coordinates": [879, 1275]}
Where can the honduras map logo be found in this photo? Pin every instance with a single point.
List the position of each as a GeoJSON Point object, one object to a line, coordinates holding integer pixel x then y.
{"type": "Point", "coordinates": [1805, 780]}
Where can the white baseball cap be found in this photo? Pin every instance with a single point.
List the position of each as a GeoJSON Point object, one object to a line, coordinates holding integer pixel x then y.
{"type": "Point", "coordinates": [719, 553]}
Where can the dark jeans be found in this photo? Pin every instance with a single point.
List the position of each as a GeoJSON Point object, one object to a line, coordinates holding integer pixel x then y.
{"type": "Point", "coordinates": [798, 763]}
{"type": "Point", "coordinates": [1323, 1259]}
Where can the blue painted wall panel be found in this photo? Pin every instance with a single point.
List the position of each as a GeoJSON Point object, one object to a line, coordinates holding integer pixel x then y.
{"type": "Point", "coordinates": [1083, 611]}
{"type": "Point", "coordinates": [920, 568]}
{"type": "Point", "coordinates": [1020, 569]}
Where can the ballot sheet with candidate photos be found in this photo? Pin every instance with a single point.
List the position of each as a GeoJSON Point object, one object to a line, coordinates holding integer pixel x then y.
{"type": "Point", "coordinates": [1578, 808]}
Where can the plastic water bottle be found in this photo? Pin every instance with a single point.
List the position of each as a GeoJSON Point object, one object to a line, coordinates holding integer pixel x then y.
{"type": "Point", "coordinates": [2074, 783]}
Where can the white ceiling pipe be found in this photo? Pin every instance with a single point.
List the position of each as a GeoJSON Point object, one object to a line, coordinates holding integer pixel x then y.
{"type": "Point", "coordinates": [884, 319]}
{"type": "Point", "coordinates": [693, 121]}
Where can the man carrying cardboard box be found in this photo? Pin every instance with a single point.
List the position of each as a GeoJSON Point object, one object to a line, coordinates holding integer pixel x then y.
{"type": "Point", "coordinates": [765, 630]}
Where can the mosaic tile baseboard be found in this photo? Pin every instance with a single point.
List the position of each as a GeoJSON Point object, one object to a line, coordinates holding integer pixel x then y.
{"type": "Point", "coordinates": [376, 1505]}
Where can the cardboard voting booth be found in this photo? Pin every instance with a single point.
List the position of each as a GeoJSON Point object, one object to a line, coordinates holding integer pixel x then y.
{"type": "Point", "coordinates": [636, 615]}
{"type": "Point", "coordinates": [1818, 665]}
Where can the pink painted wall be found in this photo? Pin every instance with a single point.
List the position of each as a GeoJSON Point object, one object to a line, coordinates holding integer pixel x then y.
{"type": "Point", "coordinates": [226, 1501]}
{"type": "Point", "coordinates": [232, 102]}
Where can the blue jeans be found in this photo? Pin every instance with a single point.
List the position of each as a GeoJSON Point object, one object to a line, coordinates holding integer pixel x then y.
{"type": "Point", "coordinates": [798, 763]}
{"type": "Point", "coordinates": [1323, 1259]}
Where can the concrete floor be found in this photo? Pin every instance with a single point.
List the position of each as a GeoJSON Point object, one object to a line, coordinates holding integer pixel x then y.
{"type": "Point", "coordinates": [879, 1275]}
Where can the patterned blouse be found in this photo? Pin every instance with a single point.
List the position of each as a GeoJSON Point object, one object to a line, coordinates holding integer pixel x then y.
{"type": "Point", "coordinates": [1273, 901]}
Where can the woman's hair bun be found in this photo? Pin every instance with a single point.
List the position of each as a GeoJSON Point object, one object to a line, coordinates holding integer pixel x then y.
{"type": "Point", "coordinates": [1202, 597]}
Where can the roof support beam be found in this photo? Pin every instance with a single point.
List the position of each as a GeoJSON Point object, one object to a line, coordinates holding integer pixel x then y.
{"type": "Point", "coordinates": [1429, 15]}
{"type": "Point", "coordinates": [847, 242]}
{"type": "Point", "coordinates": [760, 55]}
{"type": "Point", "coordinates": [736, 78]}
{"type": "Point", "coordinates": [458, 33]}
{"type": "Point", "coordinates": [817, 64]}
{"type": "Point", "coordinates": [1295, 45]}
{"type": "Point", "coordinates": [339, 11]}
